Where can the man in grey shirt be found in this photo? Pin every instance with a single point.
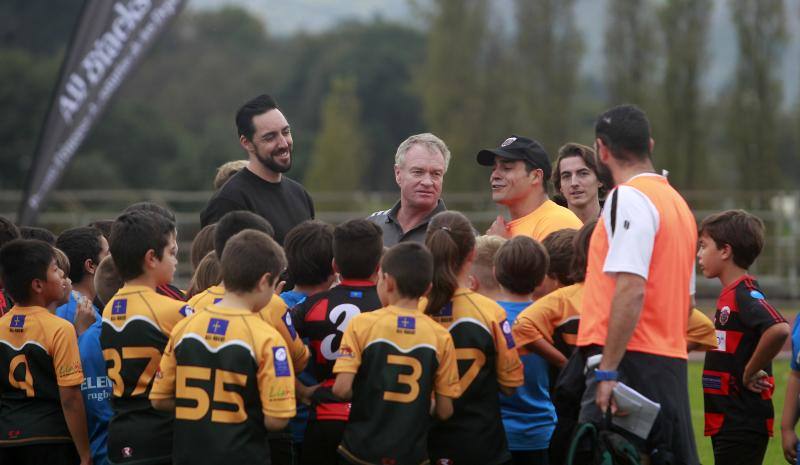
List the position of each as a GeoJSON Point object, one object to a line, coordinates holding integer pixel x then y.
{"type": "Point", "coordinates": [419, 167]}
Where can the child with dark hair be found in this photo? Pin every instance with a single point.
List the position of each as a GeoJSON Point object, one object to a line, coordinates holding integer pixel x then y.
{"type": "Point", "coordinates": [276, 313]}
{"type": "Point", "coordinates": [737, 377]}
{"type": "Point", "coordinates": [528, 415]}
{"type": "Point", "coordinates": [253, 387]}
{"type": "Point", "coordinates": [85, 248]}
{"type": "Point", "coordinates": [41, 408]}
{"type": "Point", "coordinates": [309, 252]}
{"type": "Point", "coordinates": [35, 232]}
{"type": "Point", "coordinates": [391, 363]}
{"type": "Point", "coordinates": [323, 318]}
{"type": "Point", "coordinates": [560, 251]}
{"type": "Point", "coordinates": [8, 232]}
{"type": "Point", "coordinates": [104, 226]}
{"type": "Point", "coordinates": [135, 328]}
{"type": "Point", "coordinates": [482, 337]}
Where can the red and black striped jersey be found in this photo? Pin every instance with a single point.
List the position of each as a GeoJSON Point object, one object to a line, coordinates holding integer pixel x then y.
{"type": "Point", "coordinates": [38, 354]}
{"type": "Point", "coordinates": [322, 319]}
{"type": "Point", "coordinates": [742, 316]}
{"type": "Point", "coordinates": [168, 290]}
{"type": "Point", "coordinates": [5, 302]}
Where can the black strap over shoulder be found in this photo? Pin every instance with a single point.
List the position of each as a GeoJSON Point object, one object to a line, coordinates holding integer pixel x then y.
{"type": "Point", "coordinates": [614, 210]}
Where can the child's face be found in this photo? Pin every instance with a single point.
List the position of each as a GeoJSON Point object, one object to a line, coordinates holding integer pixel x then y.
{"type": "Point", "coordinates": [55, 285]}
{"type": "Point", "coordinates": [709, 257]}
{"type": "Point", "coordinates": [169, 260]}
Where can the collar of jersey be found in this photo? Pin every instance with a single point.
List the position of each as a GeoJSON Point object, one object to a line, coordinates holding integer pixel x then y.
{"type": "Point", "coordinates": [128, 289]}
{"type": "Point", "coordinates": [219, 289]}
{"type": "Point", "coordinates": [461, 291]}
{"type": "Point", "coordinates": [229, 310]}
{"type": "Point", "coordinates": [356, 283]}
{"type": "Point", "coordinates": [396, 309]}
{"type": "Point", "coordinates": [730, 287]}
{"type": "Point", "coordinates": [28, 310]}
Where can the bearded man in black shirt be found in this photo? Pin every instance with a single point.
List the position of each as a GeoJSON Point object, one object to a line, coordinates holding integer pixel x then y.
{"type": "Point", "coordinates": [261, 187]}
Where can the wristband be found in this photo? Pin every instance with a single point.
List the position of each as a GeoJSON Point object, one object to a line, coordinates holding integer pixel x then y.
{"type": "Point", "coordinates": [606, 375]}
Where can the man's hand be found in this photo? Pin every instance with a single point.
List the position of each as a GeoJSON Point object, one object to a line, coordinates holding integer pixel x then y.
{"type": "Point", "coordinates": [499, 228]}
{"type": "Point", "coordinates": [758, 382]}
{"type": "Point", "coordinates": [604, 396]}
{"type": "Point", "coordinates": [84, 315]}
{"type": "Point", "coordinates": [789, 443]}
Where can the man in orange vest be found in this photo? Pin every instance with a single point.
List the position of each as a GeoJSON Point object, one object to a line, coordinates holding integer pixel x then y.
{"type": "Point", "coordinates": [639, 287]}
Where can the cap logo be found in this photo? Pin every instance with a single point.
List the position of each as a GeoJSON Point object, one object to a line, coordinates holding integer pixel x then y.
{"type": "Point", "coordinates": [508, 141]}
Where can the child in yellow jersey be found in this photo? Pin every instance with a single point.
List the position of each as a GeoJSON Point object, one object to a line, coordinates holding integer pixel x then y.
{"type": "Point", "coordinates": [136, 325]}
{"type": "Point", "coordinates": [42, 417]}
{"type": "Point", "coordinates": [392, 361]}
{"type": "Point", "coordinates": [226, 374]}
{"type": "Point", "coordinates": [275, 312]}
{"type": "Point", "coordinates": [485, 348]}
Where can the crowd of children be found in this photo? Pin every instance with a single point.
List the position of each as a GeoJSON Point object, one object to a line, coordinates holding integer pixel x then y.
{"type": "Point", "coordinates": [455, 351]}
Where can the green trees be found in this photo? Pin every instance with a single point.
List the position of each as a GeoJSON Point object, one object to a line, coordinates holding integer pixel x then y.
{"type": "Point", "coordinates": [629, 51]}
{"type": "Point", "coordinates": [754, 106]}
{"type": "Point", "coordinates": [339, 149]}
{"type": "Point", "coordinates": [549, 56]}
{"type": "Point", "coordinates": [684, 26]}
{"type": "Point", "coordinates": [451, 83]}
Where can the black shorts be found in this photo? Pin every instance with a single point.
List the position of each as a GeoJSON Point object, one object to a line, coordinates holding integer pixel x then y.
{"type": "Point", "coordinates": [321, 442]}
{"type": "Point", "coordinates": [742, 448]}
{"type": "Point", "coordinates": [40, 454]}
{"type": "Point", "coordinates": [662, 380]}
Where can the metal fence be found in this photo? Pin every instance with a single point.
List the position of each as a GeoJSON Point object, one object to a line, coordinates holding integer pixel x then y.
{"type": "Point", "coordinates": [776, 268]}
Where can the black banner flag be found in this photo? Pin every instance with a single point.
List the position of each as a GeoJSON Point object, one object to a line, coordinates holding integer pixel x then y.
{"type": "Point", "coordinates": [108, 43]}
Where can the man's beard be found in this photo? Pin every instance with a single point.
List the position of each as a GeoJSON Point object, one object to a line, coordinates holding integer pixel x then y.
{"type": "Point", "coordinates": [269, 162]}
{"type": "Point", "coordinates": [604, 175]}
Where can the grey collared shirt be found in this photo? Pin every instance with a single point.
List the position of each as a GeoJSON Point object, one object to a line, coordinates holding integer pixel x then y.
{"type": "Point", "coordinates": [393, 232]}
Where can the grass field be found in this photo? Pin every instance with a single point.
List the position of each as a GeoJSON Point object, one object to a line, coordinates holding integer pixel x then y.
{"type": "Point", "coordinates": [774, 454]}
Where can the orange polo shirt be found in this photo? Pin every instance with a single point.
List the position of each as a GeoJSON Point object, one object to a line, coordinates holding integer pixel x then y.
{"type": "Point", "coordinates": [549, 217]}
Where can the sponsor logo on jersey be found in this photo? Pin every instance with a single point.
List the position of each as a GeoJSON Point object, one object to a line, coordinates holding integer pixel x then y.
{"type": "Point", "coordinates": [406, 324]}
{"type": "Point", "coordinates": [186, 310]}
{"type": "Point", "coordinates": [127, 452]}
{"type": "Point", "coordinates": [68, 370]}
{"type": "Point", "coordinates": [724, 315]}
{"type": "Point", "coordinates": [287, 320]}
{"type": "Point", "coordinates": [277, 393]}
{"type": "Point", "coordinates": [217, 328]}
{"type": "Point", "coordinates": [17, 323]}
{"type": "Point", "coordinates": [345, 352]}
{"type": "Point", "coordinates": [505, 326]}
{"type": "Point", "coordinates": [756, 294]}
{"type": "Point", "coordinates": [119, 309]}
{"type": "Point", "coordinates": [217, 300]}
{"type": "Point", "coordinates": [356, 294]}
{"type": "Point", "coordinates": [281, 361]}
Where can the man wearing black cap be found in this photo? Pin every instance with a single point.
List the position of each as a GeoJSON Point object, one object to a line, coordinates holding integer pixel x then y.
{"type": "Point", "coordinates": [520, 170]}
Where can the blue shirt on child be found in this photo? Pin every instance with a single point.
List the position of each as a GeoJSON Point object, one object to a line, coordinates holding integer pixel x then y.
{"type": "Point", "coordinates": [96, 387]}
{"type": "Point", "coordinates": [529, 417]}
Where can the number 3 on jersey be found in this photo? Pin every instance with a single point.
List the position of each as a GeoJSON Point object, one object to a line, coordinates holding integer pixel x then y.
{"type": "Point", "coordinates": [411, 380]}
{"type": "Point", "coordinates": [327, 346]}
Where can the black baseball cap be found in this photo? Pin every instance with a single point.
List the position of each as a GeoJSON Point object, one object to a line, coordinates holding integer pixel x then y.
{"type": "Point", "coordinates": [518, 148]}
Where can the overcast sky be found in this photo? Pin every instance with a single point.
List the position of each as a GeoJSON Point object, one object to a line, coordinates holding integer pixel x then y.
{"type": "Point", "coordinates": [287, 17]}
